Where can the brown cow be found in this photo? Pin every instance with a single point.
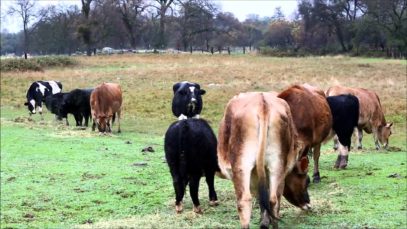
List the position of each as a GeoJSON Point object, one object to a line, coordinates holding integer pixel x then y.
{"type": "Point", "coordinates": [258, 150]}
{"type": "Point", "coordinates": [371, 117]}
{"type": "Point", "coordinates": [312, 118]}
{"type": "Point", "coordinates": [105, 103]}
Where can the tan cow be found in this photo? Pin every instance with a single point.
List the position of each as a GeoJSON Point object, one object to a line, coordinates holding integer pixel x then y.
{"type": "Point", "coordinates": [257, 149]}
{"type": "Point", "coordinates": [371, 117]}
{"type": "Point", "coordinates": [105, 103]}
{"type": "Point", "coordinates": [312, 118]}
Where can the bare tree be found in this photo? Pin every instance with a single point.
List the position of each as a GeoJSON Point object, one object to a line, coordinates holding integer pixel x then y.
{"type": "Point", "coordinates": [164, 5]}
{"type": "Point", "coordinates": [130, 12]}
{"type": "Point", "coordinates": [26, 9]}
{"type": "Point", "coordinates": [85, 28]}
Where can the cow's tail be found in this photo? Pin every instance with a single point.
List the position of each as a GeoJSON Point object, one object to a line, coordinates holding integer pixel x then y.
{"type": "Point", "coordinates": [183, 141]}
{"type": "Point", "coordinates": [263, 187]}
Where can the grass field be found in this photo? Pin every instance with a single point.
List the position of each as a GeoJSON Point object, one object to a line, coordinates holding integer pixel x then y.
{"type": "Point", "coordinates": [53, 176]}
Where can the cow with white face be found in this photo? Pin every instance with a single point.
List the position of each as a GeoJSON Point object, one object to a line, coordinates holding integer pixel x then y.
{"type": "Point", "coordinates": [187, 101]}
{"type": "Point", "coordinates": [37, 93]}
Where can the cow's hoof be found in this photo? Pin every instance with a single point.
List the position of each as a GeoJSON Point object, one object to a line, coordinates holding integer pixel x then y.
{"type": "Point", "coordinates": [316, 178]}
{"type": "Point", "coordinates": [197, 209]}
{"type": "Point", "coordinates": [359, 147]}
{"type": "Point", "coordinates": [213, 203]}
{"type": "Point", "coordinates": [178, 208]}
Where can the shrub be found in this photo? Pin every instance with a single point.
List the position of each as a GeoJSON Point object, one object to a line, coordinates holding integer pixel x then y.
{"type": "Point", "coordinates": [36, 63]}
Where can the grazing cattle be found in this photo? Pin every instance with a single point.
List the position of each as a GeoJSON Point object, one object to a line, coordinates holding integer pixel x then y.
{"type": "Point", "coordinates": [371, 117]}
{"type": "Point", "coordinates": [77, 102]}
{"type": "Point", "coordinates": [190, 151]}
{"type": "Point", "coordinates": [312, 117]}
{"type": "Point", "coordinates": [53, 104]}
{"type": "Point", "coordinates": [345, 114]}
{"type": "Point", "coordinates": [258, 150]}
{"type": "Point", "coordinates": [105, 103]}
{"type": "Point", "coordinates": [37, 93]}
{"type": "Point", "coordinates": [187, 101]}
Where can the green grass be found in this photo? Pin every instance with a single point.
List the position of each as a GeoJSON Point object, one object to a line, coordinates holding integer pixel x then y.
{"type": "Point", "coordinates": [55, 176]}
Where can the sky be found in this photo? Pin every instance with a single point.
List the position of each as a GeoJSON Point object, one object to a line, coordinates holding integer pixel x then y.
{"type": "Point", "coordinates": [239, 8]}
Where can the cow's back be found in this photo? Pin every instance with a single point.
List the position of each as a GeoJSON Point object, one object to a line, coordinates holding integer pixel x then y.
{"type": "Point", "coordinates": [106, 98]}
{"type": "Point", "coordinates": [370, 110]}
{"type": "Point", "coordinates": [240, 125]}
{"type": "Point", "coordinates": [310, 111]}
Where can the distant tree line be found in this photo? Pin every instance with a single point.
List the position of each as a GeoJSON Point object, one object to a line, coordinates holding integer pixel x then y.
{"type": "Point", "coordinates": [357, 27]}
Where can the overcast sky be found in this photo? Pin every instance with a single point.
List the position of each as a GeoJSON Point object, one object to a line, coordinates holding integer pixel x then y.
{"type": "Point", "coordinates": [239, 8]}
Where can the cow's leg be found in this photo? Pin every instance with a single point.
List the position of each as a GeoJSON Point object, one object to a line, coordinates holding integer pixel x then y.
{"type": "Point", "coordinates": [193, 192]}
{"type": "Point", "coordinates": [93, 125]}
{"type": "Point", "coordinates": [276, 191]}
{"type": "Point", "coordinates": [118, 121]}
{"type": "Point", "coordinates": [317, 152]}
{"type": "Point", "coordinates": [40, 110]}
{"type": "Point", "coordinates": [210, 181]}
{"type": "Point", "coordinates": [336, 142]}
{"type": "Point", "coordinates": [78, 119]}
{"type": "Point", "coordinates": [241, 182]}
{"type": "Point", "coordinates": [342, 160]}
{"type": "Point", "coordinates": [359, 136]}
{"type": "Point", "coordinates": [179, 188]}
{"type": "Point", "coordinates": [86, 116]}
{"type": "Point", "coordinates": [376, 139]}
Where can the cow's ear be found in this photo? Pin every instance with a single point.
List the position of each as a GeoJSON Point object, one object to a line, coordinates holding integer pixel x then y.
{"type": "Point", "coordinates": [175, 87]}
{"type": "Point", "coordinates": [303, 164]}
{"type": "Point", "coordinates": [202, 92]}
{"type": "Point", "coordinates": [388, 125]}
{"type": "Point", "coordinates": [25, 104]}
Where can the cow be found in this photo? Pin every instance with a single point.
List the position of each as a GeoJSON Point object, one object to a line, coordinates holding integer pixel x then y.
{"type": "Point", "coordinates": [312, 117]}
{"type": "Point", "coordinates": [345, 114]}
{"type": "Point", "coordinates": [190, 151]}
{"type": "Point", "coordinates": [38, 91]}
{"type": "Point", "coordinates": [187, 100]}
{"type": "Point", "coordinates": [105, 103]}
{"type": "Point", "coordinates": [53, 104]}
{"type": "Point", "coordinates": [259, 151]}
{"type": "Point", "coordinates": [77, 102]}
{"type": "Point", "coordinates": [371, 117]}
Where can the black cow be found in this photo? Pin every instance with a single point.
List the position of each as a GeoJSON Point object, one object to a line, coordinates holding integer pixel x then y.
{"type": "Point", "coordinates": [187, 101]}
{"type": "Point", "coordinates": [345, 115]}
{"type": "Point", "coordinates": [77, 102]}
{"type": "Point", "coordinates": [37, 93]}
{"type": "Point", "coordinates": [53, 104]}
{"type": "Point", "coordinates": [190, 150]}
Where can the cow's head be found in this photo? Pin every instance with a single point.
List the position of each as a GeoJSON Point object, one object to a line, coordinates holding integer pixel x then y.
{"type": "Point", "coordinates": [103, 122]}
{"type": "Point", "coordinates": [384, 133]}
{"type": "Point", "coordinates": [187, 101]}
{"type": "Point", "coordinates": [31, 106]}
{"type": "Point", "coordinates": [296, 185]}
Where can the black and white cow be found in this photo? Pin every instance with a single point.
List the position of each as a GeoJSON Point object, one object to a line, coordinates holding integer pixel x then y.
{"type": "Point", "coordinates": [187, 101]}
{"type": "Point", "coordinates": [345, 115]}
{"type": "Point", "coordinates": [37, 93]}
{"type": "Point", "coordinates": [77, 102]}
{"type": "Point", "coordinates": [190, 151]}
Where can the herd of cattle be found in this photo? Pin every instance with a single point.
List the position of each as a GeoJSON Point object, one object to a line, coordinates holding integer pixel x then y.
{"type": "Point", "coordinates": [102, 103]}
{"type": "Point", "coordinates": [263, 141]}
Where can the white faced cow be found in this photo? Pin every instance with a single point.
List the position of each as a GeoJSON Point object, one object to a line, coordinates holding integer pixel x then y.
{"type": "Point", "coordinates": [187, 101]}
{"type": "Point", "coordinates": [37, 93]}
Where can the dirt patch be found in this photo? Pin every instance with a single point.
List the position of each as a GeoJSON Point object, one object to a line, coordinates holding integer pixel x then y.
{"type": "Point", "coordinates": [124, 194]}
{"type": "Point", "coordinates": [394, 149]}
{"type": "Point", "coordinates": [79, 190]}
{"type": "Point", "coordinates": [89, 176]}
{"type": "Point", "coordinates": [10, 179]}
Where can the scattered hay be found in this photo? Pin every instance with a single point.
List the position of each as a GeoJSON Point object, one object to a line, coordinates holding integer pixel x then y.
{"type": "Point", "coordinates": [23, 120]}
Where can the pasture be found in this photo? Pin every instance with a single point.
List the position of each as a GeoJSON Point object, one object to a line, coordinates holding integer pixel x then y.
{"type": "Point", "coordinates": [56, 176]}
